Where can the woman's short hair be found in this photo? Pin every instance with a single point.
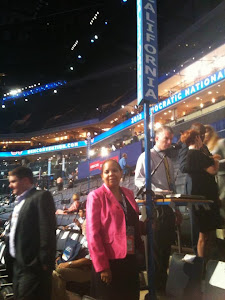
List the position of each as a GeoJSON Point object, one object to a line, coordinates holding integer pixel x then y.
{"type": "Point", "coordinates": [76, 196]}
{"type": "Point", "coordinates": [112, 160]}
{"type": "Point", "coordinates": [189, 137]}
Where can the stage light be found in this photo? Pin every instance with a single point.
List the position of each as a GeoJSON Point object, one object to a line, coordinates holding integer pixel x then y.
{"type": "Point", "coordinates": [106, 23]}
{"type": "Point", "coordinates": [96, 37]}
{"type": "Point", "coordinates": [79, 56]}
{"type": "Point", "coordinates": [122, 106]}
{"type": "Point", "coordinates": [3, 105]}
{"type": "Point", "coordinates": [92, 41]}
{"type": "Point", "coordinates": [104, 151]}
{"type": "Point", "coordinates": [26, 99]}
{"type": "Point", "coordinates": [71, 68]}
{"type": "Point", "coordinates": [74, 45]}
{"type": "Point", "coordinates": [55, 92]}
{"type": "Point", "coordinates": [157, 125]}
{"type": "Point", "coordinates": [124, 1]}
{"type": "Point", "coordinates": [92, 152]}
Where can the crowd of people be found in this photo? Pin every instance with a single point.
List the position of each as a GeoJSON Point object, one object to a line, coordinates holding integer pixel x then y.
{"type": "Point", "coordinates": [110, 231]}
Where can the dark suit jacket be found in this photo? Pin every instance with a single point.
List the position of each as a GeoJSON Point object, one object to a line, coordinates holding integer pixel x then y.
{"type": "Point", "coordinates": [35, 238]}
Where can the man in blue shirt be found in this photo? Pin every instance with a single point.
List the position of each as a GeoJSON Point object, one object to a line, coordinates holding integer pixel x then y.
{"type": "Point", "coordinates": [124, 166]}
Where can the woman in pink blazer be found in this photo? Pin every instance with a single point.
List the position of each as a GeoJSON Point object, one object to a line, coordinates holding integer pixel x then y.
{"type": "Point", "coordinates": [113, 237]}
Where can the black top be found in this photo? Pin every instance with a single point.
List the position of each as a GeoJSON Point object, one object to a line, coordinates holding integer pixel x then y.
{"type": "Point", "coordinates": [202, 182]}
{"type": "Point", "coordinates": [132, 220]}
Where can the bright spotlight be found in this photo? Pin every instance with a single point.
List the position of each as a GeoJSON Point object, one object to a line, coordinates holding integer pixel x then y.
{"type": "Point", "coordinates": [157, 125]}
{"type": "Point", "coordinates": [3, 105]}
{"type": "Point", "coordinates": [104, 151]}
{"type": "Point", "coordinates": [92, 152]}
{"type": "Point", "coordinates": [55, 91]}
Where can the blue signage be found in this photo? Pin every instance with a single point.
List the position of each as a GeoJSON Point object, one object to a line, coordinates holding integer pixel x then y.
{"type": "Point", "coordinates": [200, 85]}
{"type": "Point", "coordinates": [45, 149]}
{"type": "Point", "coordinates": [147, 52]}
{"type": "Point", "coordinates": [191, 90]}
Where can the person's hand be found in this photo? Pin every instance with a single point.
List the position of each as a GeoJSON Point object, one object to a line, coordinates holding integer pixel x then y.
{"type": "Point", "coordinates": [216, 156]}
{"type": "Point", "coordinates": [63, 265]}
{"type": "Point", "coordinates": [106, 276]}
{"type": "Point", "coordinates": [57, 259]}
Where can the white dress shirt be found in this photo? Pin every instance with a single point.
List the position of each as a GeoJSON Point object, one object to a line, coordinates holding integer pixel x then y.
{"type": "Point", "coordinates": [159, 179]}
{"type": "Point", "coordinates": [15, 215]}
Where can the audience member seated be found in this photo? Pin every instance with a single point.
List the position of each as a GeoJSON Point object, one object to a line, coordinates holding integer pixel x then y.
{"type": "Point", "coordinates": [73, 266]}
{"type": "Point", "coordinates": [73, 208]}
{"type": "Point", "coordinates": [59, 183]}
{"type": "Point", "coordinates": [77, 222]}
{"type": "Point", "coordinates": [70, 184]}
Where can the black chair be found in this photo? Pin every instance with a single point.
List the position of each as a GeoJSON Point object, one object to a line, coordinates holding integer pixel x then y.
{"type": "Point", "coordinates": [61, 241]}
{"type": "Point", "coordinates": [184, 279]}
{"type": "Point", "coordinates": [58, 219]}
{"type": "Point", "coordinates": [214, 291]}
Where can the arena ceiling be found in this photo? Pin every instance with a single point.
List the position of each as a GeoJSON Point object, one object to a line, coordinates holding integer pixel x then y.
{"type": "Point", "coordinates": [89, 43]}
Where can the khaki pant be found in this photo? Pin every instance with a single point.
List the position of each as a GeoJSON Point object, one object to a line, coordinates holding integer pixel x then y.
{"type": "Point", "coordinates": [61, 276]}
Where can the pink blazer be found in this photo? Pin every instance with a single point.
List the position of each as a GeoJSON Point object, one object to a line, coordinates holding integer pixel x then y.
{"type": "Point", "coordinates": [106, 226]}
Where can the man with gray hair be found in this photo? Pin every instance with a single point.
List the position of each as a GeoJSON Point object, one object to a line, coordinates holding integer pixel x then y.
{"type": "Point", "coordinates": [161, 181]}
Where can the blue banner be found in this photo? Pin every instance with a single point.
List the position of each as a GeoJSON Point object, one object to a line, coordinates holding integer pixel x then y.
{"type": "Point", "coordinates": [188, 92]}
{"type": "Point", "coordinates": [147, 52]}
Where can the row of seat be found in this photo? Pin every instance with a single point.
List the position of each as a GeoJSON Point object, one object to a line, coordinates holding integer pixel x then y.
{"type": "Point", "coordinates": [6, 287]}
{"type": "Point", "coordinates": [62, 236]}
{"type": "Point", "coordinates": [64, 220]}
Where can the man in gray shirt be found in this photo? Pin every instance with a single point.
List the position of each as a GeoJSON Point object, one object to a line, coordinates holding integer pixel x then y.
{"type": "Point", "coordinates": [162, 181]}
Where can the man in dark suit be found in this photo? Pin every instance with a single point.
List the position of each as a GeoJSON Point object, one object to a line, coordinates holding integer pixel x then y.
{"type": "Point", "coordinates": [32, 241]}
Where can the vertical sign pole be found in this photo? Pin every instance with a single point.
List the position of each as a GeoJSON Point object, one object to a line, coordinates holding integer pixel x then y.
{"type": "Point", "coordinates": [149, 201]}
{"type": "Point", "coordinates": [88, 157]}
{"type": "Point", "coordinates": [152, 134]}
{"type": "Point", "coordinates": [147, 94]}
{"type": "Point", "coordinates": [63, 166]}
{"type": "Point", "coordinates": [49, 171]}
